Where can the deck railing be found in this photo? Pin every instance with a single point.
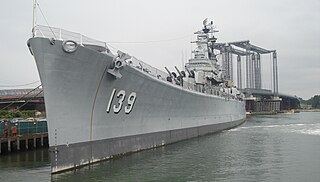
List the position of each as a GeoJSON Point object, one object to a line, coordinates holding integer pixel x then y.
{"type": "Point", "coordinates": [161, 75]}
{"type": "Point", "coordinates": [138, 64]}
{"type": "Point", "coordinates": [61, 34]}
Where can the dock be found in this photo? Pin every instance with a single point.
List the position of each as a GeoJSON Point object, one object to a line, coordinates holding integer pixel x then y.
{"type": "Point", "coordinates": [23, 136]}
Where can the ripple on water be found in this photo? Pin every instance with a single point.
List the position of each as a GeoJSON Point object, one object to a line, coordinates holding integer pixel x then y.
{"type": "Point", "coordinates": [267, 148]}
{"type": "Point", "coordinates": [308, 129]}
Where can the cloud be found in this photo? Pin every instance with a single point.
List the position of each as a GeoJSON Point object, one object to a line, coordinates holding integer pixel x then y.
{"type": "Point", "coordinates": [290, 27]}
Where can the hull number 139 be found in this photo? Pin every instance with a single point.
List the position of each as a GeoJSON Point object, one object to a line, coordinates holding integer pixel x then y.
{"type": "Point", "coordinates": [121, 96]}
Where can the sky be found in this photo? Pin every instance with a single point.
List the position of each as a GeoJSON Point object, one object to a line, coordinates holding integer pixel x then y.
{"type": "Point", "coordinates": [166, 27]}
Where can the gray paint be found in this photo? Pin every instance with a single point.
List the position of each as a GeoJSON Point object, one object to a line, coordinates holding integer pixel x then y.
{"type": "Point", "coordinates": [90, 152]}
{"type": "Point", "coordinates": [77, 89]}
{"type": "Point", "coordinates": [126, 21]}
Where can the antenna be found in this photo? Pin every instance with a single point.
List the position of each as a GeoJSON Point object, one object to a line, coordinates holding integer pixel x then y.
{"type": "Point", "coordinates": [205, 22]}
{"type": "Point", "coordinates": [35, 3]}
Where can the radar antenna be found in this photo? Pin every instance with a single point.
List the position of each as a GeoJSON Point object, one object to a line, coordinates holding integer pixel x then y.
{"type": "Point", "coordinates": [208, 27]}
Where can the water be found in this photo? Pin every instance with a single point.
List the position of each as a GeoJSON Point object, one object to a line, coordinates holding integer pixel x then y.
{"type": "Point", "coordinates": [284, 147]}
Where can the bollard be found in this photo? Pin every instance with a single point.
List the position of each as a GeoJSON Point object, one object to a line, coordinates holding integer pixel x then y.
{"type": "Point", "coordinates": [27, 145]}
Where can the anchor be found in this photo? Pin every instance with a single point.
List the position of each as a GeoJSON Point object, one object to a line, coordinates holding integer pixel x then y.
{"type": "Point", "coordinates": [117, 63]}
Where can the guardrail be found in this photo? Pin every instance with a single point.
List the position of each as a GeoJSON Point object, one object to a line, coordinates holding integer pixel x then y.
{"type": "Point", "coordinates": [138, 64]}
{"type": "Point", "coordinates": [61, 34]}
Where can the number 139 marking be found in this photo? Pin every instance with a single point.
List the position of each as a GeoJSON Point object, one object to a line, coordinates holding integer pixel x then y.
{"type": "Point", "coordinates": [122, 95]}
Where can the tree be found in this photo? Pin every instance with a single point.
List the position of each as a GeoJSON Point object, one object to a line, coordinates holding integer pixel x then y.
{"type": "Point", "coordinates": [315, 101]}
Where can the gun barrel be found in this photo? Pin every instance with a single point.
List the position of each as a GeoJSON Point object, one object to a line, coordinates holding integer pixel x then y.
{"type": "Point", "coordinates": [168, 71]}
{"type": "Point", "coordinates": [188, 71]}
{"type": "Point", "coordinates": [178, 71]}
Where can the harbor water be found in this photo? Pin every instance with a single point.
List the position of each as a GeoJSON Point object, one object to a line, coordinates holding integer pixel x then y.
{"type": "Point", "coordinates": [283, 147]}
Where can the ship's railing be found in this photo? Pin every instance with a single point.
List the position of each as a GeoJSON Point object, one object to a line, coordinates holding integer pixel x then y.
{"type": "Point", "coordinates": [211, 90]}
{"type": "Point", "coordinates": [161, 75]}
{"type": "Point", "coordinates": [61, 34]}
{"type": "Point", "coordinates": [138, 64]}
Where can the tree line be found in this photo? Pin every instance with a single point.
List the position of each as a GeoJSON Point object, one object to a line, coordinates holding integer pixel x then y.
{"type": "Point", "coordinates": [313, 101]}
{"type": "Point", "coordinates": [17, 114]}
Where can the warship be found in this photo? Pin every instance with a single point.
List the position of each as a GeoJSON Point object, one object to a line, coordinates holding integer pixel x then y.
{"type": "Point", "coordinates": [101, 104]}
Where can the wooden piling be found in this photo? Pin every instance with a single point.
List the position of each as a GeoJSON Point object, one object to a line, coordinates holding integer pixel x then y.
{"type": "Point", "coordinates": [34, 142]}
{"type": "Point", "coordinates": [27, 145]}
{"type": "Point", "coordinates": [9, 145]}
{"type": "Point", "coordinates": [18, 143]}
{"type": "Point", "coordinates": [41, 140]}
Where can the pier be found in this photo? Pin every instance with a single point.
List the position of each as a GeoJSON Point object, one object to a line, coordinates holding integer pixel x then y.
{"type": "Point", "coordinates": [23, 135]}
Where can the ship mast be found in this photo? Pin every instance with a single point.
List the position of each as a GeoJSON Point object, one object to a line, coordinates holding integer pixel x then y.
{"type": "Point", "coordinates": [204, 62]}
{"type": "Point", "coordinates": [34, 12]}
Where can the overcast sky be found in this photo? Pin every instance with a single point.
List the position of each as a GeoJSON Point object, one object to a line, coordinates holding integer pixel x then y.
{"type": "Point", "coordinates": [291, 27]}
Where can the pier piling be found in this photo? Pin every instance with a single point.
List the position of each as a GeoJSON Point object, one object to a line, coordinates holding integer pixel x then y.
{"type": "Point", "coordinates": [34, 142]}
{"type": "Point", "coordinates": [18, 143]}
{"type": "Point", "coordinates": [9, 145]}
{"type": "Point", "coordinates": [27, 145]}
{"type": "Point", "coordinates": [25, 135]}
{"type": "Point", "coordinates": [41, 140]}
{"type": "Point", "coordinates": [12, 144]}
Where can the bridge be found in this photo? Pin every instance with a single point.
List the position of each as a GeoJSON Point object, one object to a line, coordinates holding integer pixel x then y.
{"type": "Point", "coordinates": [248, 78]}
{"type": "Point", "coordinates": [23, 99]}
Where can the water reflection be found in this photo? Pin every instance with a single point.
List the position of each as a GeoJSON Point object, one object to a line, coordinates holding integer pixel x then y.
{"type": "Point", "coordinates": [265, 148]}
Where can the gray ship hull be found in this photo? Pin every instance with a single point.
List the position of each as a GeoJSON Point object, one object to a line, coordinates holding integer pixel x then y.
{"type": "Point", "coordinates": [89, 120]}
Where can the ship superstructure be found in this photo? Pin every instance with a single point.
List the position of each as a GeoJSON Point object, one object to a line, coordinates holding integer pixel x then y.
{"type": "Point", "coordinates": [204, 62]}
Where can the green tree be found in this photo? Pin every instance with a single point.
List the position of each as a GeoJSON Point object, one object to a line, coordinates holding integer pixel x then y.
{"type": "Point", "coordinates": [17, 114]}
{"type": "Point", "coordinates": [315, 101]}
